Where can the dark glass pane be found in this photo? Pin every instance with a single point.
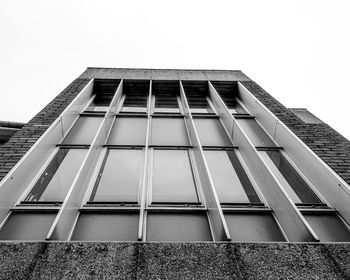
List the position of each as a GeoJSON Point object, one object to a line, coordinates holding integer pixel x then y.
{"type": "Point", "coordinates": [196, 94]}
{"type": "Point", "coordinates": [83, 131]}
{"type": "Point", "coordinates": [253, 227]}
{"type": "Point", "coordinates": [104, 90]}
{"type": "Point", "coordinates": [169, 131]}
{"type": "Point", "coordinates": [106, 227]}
{"type": "Point", "coordinates": [230, 180]}
{"type": "Point", "coordinates": [211, 132]}
{"type": "Point", "coordinates": [120, 178]}
{"type": "Point", "coordinates": [255, 133]}
{"type": "Point", "coordinates": [177, 227]}
{"type": "Point", "coordinates": [172, 177]}
{"type": "Point", "coordinates": [294, 180]}
{"type": "Point", "coordinates": [58, 177]}
{"type": "Point", "coordinates": [136, 95]}
{"type": "Point", "coordinates": [329, 228]}
{"type": "Point", "coordinates": [27, 226]}
{"type": "Point", "coordinates": [128, 131]}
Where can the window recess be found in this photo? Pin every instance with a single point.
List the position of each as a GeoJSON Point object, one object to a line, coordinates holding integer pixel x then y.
{"type": "Point", "coordinates": [120, 177]}
{"type": "Point", "coordinates": [166, 97]}
{"type": "Point", "coordinates": [197, 94]}
{"type": "Point", "coordinates": [229, 93]}
{"type": "Point", "coordinates": [54, 183]}
{"type": "Point", "coordinates": [135, 96]}
{"type": "Point", "coordinates": [103, 93]}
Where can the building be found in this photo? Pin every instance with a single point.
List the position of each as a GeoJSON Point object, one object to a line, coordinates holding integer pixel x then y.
{"type": "Point", "coordinates": [173, 174]}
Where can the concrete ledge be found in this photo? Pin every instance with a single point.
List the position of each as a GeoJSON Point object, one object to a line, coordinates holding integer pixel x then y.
{"type": "Point", "coordinates": [123, 260]}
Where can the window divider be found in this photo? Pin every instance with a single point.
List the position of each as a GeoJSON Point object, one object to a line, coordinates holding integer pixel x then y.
{"type": "Point", "coordinates": [211, 200]}
{"type": "Point", "coordinates": [292, 221]}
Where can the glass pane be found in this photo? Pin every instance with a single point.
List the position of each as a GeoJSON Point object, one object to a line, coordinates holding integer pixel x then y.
{"type": "Point", "coordinates": [106, 227]}
{"type": "Point", "coordinates": [255, 133]}
{"type": "Point", "coordinates": [58, 177]}
{"type": "Point", "coordinates": [177, 227]}
{"type": "Point", "coordinates": [329, 228]}
{"type": "Point", "coordinates": [237, 109]}
{"type": "Point", "coordinates": [136, 95]}
{"type": "Point", "coordinates": [128, 131]}
{"type": "Point", "coordinates": [211, 132]}
{"type": "Point", "coordinates": [101, 102]}
{"type": "Point", "coordinates": [172, 177]}
{"type": "Point", "coordinates": [166, 93]}
{"type": "Point", "coordinates": [230, 180]}
{"type": "Point", "coordinates": [27, 226]}
{"type": "Point", "coordinates": [83, 131]}
{"type": "Point", "coordinates": [292, 182]}
{"type": "Point", "coordinates": [120, 178]}
{"type": "Point", "coordinates": [169, 131]}
{"type": "Point", "coordinates": [253, 227]}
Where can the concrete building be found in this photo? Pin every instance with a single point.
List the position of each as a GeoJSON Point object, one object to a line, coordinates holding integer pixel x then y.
{"type": "Point", "coordinates": [173, 174]}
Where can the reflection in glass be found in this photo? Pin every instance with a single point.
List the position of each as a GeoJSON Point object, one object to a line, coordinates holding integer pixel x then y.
{"type": "Point", "coordinates": [57, 178]}
{"type": "Point", "coordinates": [211, 132]}
{"type": "Point", "coordinates": [27, 226]}
{"type": "Point", "coordinates": [230, 180]}
{"type": "Point", "coordinates": [119, 178]}
{"type": "Point", "coordinates": [172, 177]}
{"type": "Point", "coordinates": [329, 228]}
{"type": "Point", "coordinates": [292, 182]}
{"type": "Point", "coordinates": [177, 227]}
{"type": "Point", "coordinates": [83, 131]}
{"type": "Point", "coordinates": [255, 133]}
{"type": "Point", "coordinates": [169, 131]}
{"type": "Point", "coordinates": [253, 227]}
{"type": "Point", "coordinates": [128, 131]}
{"type": "Point", "coordinates": [106, 227]}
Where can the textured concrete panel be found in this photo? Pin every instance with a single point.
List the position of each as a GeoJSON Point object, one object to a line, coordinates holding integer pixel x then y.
{"type": "Point", "coordinates": [128, 260]}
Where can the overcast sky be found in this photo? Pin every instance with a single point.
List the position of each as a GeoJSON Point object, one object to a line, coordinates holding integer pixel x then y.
{"type": "Point", "coordinates": [299, 51]}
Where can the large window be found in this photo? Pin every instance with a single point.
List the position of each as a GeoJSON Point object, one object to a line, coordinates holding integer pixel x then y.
{"type": "Point", "coordinates": [255, 133]}
{"type": "Point", "coordinates": [128, 131]}
{"type": "Point", "coordinates": [54, 183]}
{"type": "Point", "coordinates": [172, 177]}
{"type": "Point", "coordinates": [120, 177]}
{"type": "Point", "coordinates": [135, 96]}
{"type": "Point", "coordinates": [103, 93]}
{"type": "Point", "coordinates": [231, 182]}
{"type": "Point", "coordinates": [166, 97]}
{"type": "Point", "coordinates": [169, 132]}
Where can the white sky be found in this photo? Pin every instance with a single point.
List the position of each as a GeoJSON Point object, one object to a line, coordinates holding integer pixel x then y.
{"type": "Point", "coordinates": [299, 51]}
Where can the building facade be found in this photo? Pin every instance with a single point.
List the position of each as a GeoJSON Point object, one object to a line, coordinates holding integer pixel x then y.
{"type": "Point", "coordinates": [179, 174]}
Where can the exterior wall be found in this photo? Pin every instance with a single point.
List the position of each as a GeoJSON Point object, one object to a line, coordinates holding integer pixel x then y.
{"type": "Point", "coordinates": [329, 145]}
{"type": "Point", "coordinates": [113, 260]}
{"type": "Point", "coordinates": [13, 150]}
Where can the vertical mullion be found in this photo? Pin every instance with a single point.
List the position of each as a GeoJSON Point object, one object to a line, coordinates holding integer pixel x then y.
{"type": "Point", "coordinates": [211, 200]}
{"type": "Point", "coordinates": [294, 224]}
{"type": "Point", "coordinates": [142, 219]}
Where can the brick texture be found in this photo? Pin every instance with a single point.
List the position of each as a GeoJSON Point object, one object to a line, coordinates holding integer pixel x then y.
{"type": "Point", "coordinates": [13, 150]}
{"type": "Point", "coordinates": [329, 145]}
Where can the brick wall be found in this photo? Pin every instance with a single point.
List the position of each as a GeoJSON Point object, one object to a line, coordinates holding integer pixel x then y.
{"type": "Point", "coordinates": [329, 145]}
{"type": "Point", "coordinates": [13, 150]}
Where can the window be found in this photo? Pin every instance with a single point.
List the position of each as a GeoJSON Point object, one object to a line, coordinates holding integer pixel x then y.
{"type": "Point", "coordinates": [211, 132]}
{"type": "Point", "coordinates": [255, 133]}
{"type": "Point", "coordinates": [169, 131]}
{"type": "Point", "coordinates": [230, 180]}
{"type": "Point", "coordinates": [292, 182]}
{"type": "Point", "coordinates": [172, 177]}
{"type": "Point", "coordinates": [329, 228]}
{"type": "Point", "coordinates": [253, 227]}
{"type": "Point", "coordinates": [27, 226]}
{"type": "Point", "coordinates": [106, 227]}
{"type": "Point", "coordinates": [177, 227]}
{"type": "Point", "coordinates": [58, 177]}
{"type": "Point", "coordinates": [120, 177]}
{"type": "Point", "coordinates": [128, 131]}
{"type": "Point", "coordinates": [83, 131]}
